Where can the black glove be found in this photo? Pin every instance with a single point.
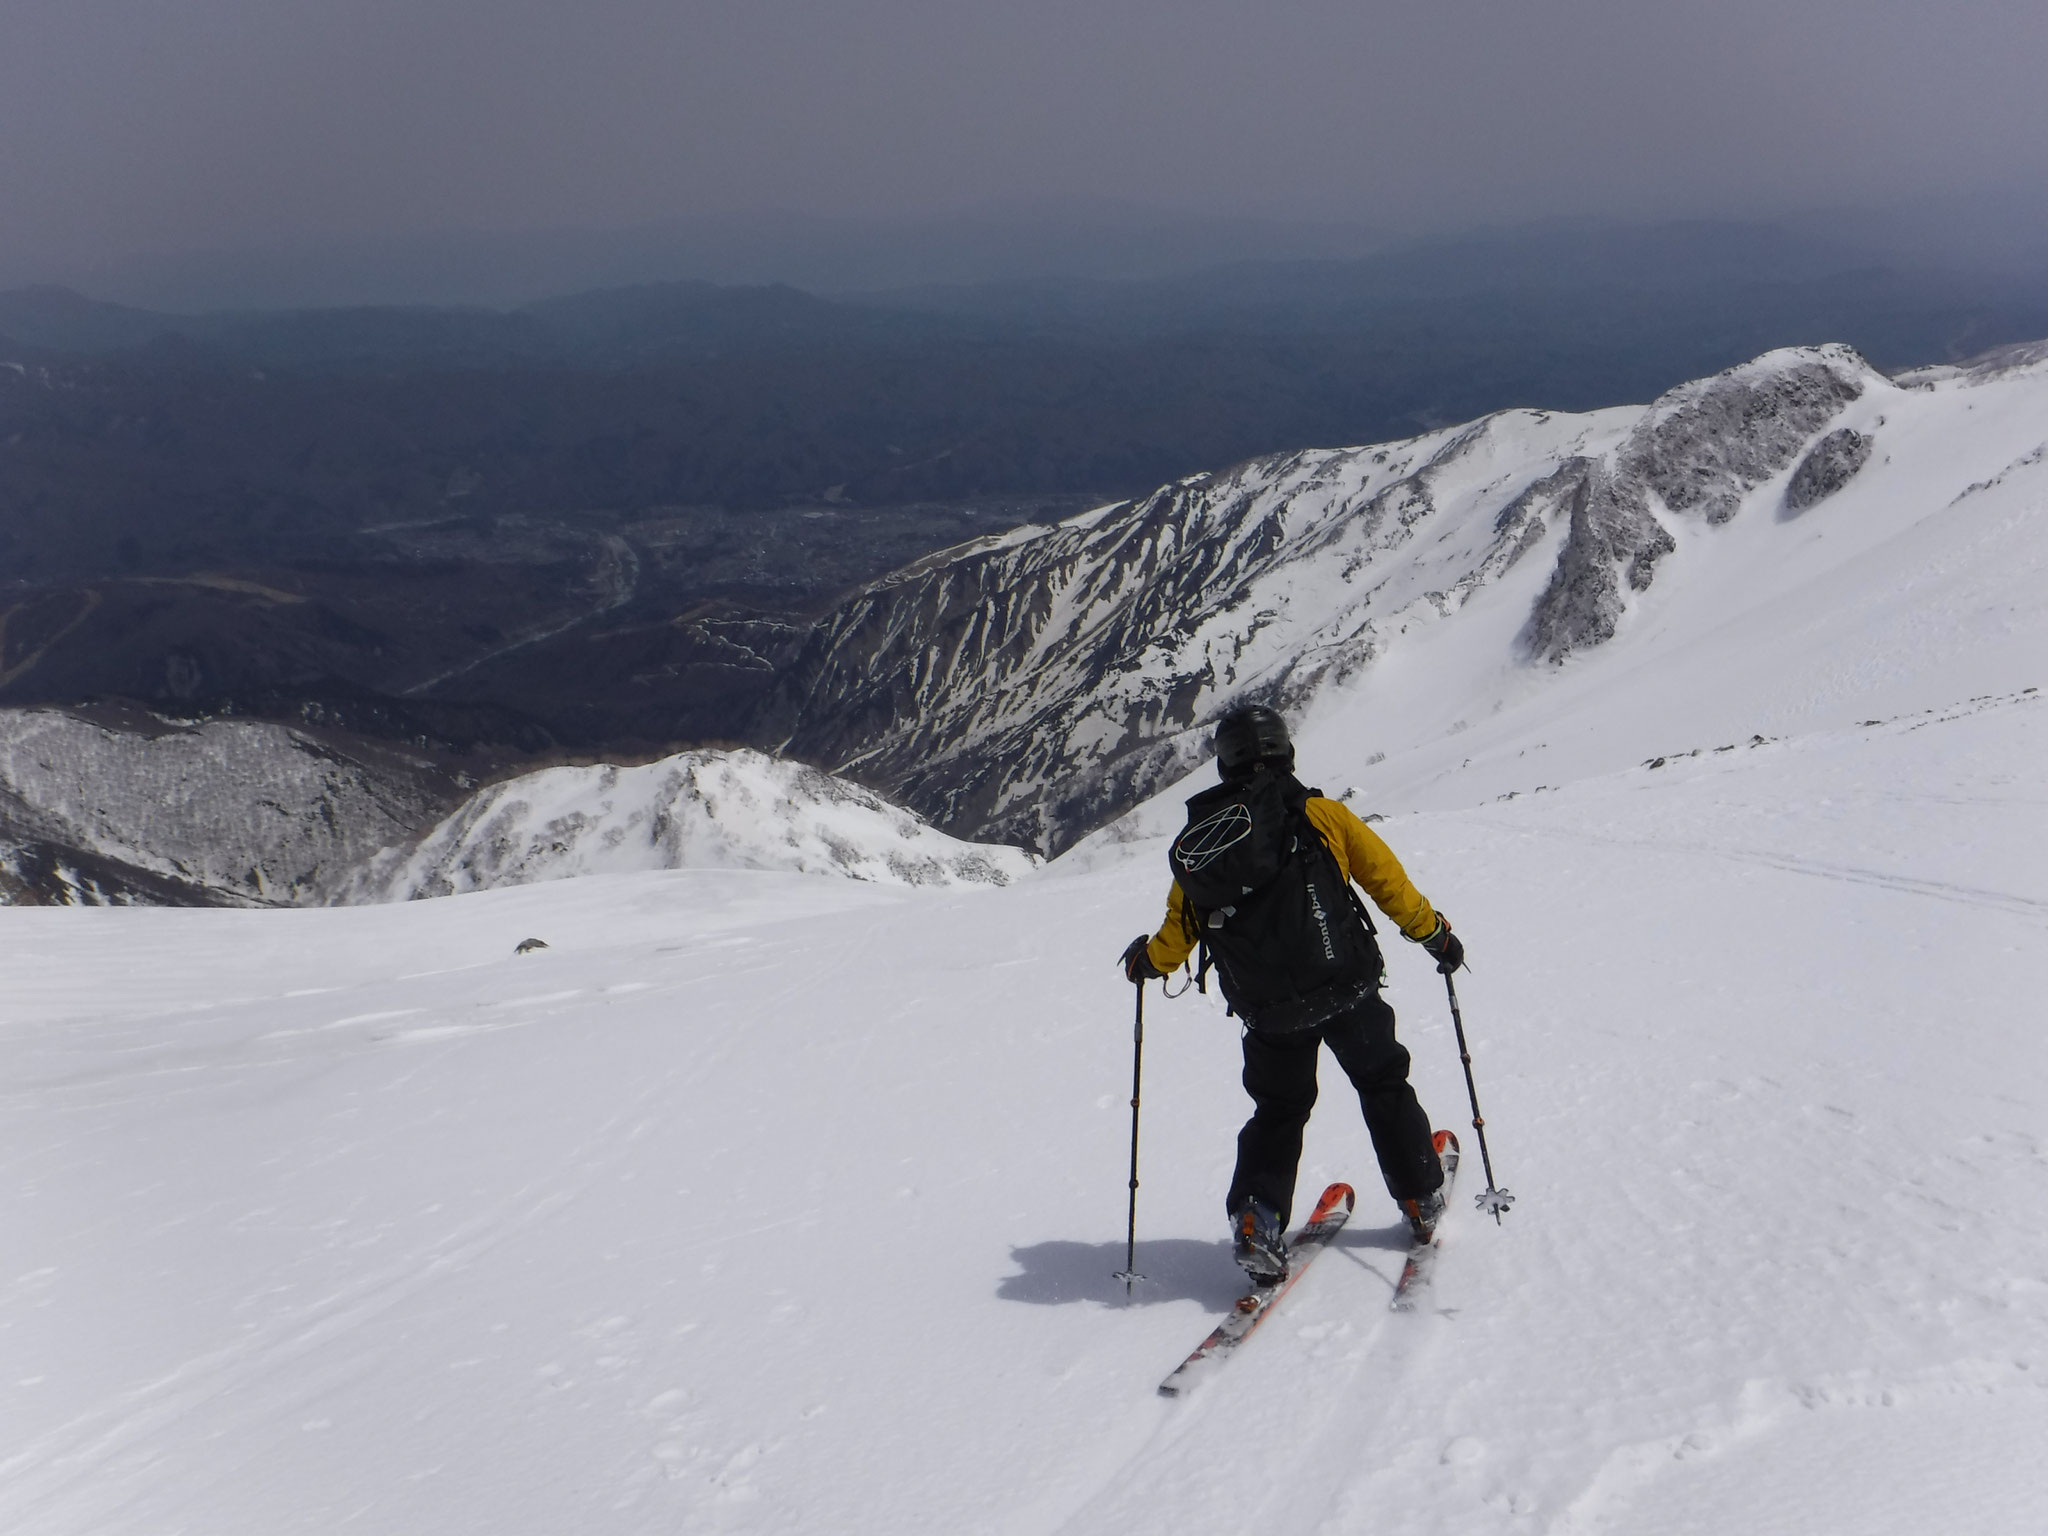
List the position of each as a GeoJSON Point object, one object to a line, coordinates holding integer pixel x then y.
{"type": "Point", "coordinates": [1445, 946]}
{"type": "Point", "coordinates": [1138, 965]}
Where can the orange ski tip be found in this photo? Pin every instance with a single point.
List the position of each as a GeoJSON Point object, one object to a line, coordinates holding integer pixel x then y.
{"type": "Point", "coordinates": [1444, 1139]}
{"type": "Point", "coordinates": [1333, 1197]}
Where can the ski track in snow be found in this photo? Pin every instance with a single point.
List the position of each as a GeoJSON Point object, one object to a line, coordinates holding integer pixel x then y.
{"type": "Point", "coordinates": [775, 1203]}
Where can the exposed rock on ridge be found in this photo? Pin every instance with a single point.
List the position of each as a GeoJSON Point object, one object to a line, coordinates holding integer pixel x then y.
{"type": "Point", "coordinates": [1612, 540]}
{"type": "Point", "coordinates": [1829, 465]}
{"type": "Point", "coordinates": [1705, 445]}
{"type": "Point", "coordinates": [1698, 451]}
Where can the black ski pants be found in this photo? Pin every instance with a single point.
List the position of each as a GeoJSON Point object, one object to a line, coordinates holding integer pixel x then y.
{"type": "Point", "coordinates": [1280, 1075]}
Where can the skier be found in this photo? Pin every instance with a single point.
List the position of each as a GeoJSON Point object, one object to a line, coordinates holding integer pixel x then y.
{"type": "Point", "coordinates": [1300, 967]}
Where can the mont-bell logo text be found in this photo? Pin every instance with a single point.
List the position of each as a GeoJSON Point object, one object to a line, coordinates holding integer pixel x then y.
{"type": "Point", "coordinates": [1315, 908]}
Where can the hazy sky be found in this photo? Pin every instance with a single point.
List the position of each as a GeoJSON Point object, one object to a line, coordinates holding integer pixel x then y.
{"type": "Point", "coordinates": [158, 124]}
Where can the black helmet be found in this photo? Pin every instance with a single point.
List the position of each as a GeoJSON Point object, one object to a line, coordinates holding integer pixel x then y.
{"type": "Point", "coordinates": [1249, 736]}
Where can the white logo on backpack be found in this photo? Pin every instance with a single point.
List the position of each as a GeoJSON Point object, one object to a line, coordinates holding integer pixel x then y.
{"type": "Point", "coordinates": [1204, 842]}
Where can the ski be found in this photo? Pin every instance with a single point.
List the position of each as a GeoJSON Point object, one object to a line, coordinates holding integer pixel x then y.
{"type": "Point", "coordinates": [1421, 1261]}
{"type": "Point", "coordinates": [1324, 1223]}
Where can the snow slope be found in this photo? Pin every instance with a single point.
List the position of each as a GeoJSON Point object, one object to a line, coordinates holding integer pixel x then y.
{"type": "Point", "coordinates": [764, 1203]}
{"type": "Point", "coordinates": [718, 810]}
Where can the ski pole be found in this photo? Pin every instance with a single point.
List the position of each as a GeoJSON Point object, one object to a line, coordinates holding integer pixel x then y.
{"type": "Point", "coordinates": [1129, 1273]}
{"type": "Point", "coordinates": [1494, 1201]}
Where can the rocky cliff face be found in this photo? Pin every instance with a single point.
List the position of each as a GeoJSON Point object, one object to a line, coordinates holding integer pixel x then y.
{"type": "Point", "coordinates": [1028, 688]}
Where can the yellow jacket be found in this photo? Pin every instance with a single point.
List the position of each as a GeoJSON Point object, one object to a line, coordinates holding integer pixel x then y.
{"type": "Point", "coordinates": [1362, 856]}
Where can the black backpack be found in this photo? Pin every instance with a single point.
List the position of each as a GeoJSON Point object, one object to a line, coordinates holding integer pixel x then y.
{"type": "Point", "coordinates": [1289, 938]}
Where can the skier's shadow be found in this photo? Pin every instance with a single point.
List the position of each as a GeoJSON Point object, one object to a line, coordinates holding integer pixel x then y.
{"type": "Point", "coordinates": [1174, 1269]}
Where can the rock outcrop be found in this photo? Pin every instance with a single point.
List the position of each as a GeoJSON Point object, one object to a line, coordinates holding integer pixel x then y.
{"type": "Point", "coordinates": [1697, 453]}
{"type": "Point", "coordinates": [1829, 465]}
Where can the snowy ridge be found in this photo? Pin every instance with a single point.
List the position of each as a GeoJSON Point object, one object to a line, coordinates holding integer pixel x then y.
{"type": "Point", "coordinates": [1889, 566]}
{"type": "Point", "coordinates": [695, 810]}
{"type": "Point", "coordinates": [1031, 692]}
{"type": "Point", "coordinates": [1027, 691]}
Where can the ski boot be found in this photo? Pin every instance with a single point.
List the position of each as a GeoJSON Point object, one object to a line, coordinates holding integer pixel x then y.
{"type": "Point", "coordinates": [1423, 1214]}
{"type": "Point", "coordinates": [1258, 1243]}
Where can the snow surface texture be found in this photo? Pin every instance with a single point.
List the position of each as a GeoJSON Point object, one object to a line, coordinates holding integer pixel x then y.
{"type": "Point", "coordinates": [150, 809]}
{"type": "Point", "coordinates": [1029, 689]}
{"type": "Point", "coordinates": [715, 810]}
{"type": "Point", "coordinates": [759, 1203]}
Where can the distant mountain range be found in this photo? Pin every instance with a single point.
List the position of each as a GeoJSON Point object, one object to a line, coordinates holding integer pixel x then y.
{"type": "Point", "coordinates": [1033, 686]}
{"type": "Point", "coordinates": [606, 524]}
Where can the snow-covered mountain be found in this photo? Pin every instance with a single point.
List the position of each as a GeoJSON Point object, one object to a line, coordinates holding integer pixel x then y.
{"type": "Point", "coordinates": [1031, 687]}
{"type": "Point", "coordinates": [695, 810]}
{"type": "Point", "coordinates": [121, 806]}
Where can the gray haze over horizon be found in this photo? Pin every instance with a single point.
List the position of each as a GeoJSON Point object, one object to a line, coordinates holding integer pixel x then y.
{"type": "Point", "coordinates": [444, 131]}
